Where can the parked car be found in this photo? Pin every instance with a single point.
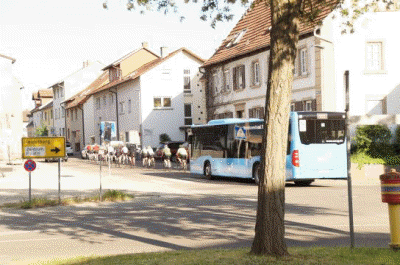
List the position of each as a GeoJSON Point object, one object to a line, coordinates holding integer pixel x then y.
{"type": "Point", "coordinates": [68, 149]}
{"type": "Point", "coordinates": [173, 145]}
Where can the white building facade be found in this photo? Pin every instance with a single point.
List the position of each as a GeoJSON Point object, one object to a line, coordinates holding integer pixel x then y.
{"type": "Point", "coordinates": [11, 126]}
{"type": "Point", "coordinates": [151, 100]}
{"type": "Point", "coordinates": [68, 87]}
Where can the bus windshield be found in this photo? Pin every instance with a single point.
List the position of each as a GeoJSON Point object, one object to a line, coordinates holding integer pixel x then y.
{"type": "Point", "coordinates": [317, 131]}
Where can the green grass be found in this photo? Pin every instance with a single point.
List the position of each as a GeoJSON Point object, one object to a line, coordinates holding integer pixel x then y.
{"type": "Point", "coordinates": [364, 159]}
{"type": "Point", "coordinates": [110, 195]}
{"type": "Point", "coordinates": [303, 256]}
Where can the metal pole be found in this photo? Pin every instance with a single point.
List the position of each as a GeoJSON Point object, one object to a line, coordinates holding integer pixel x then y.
{"type": "Point", "coordinates": [100, 179]}
{"type": "Point", "coordinates": [30, 190]}
{"type": "Point", "coordinates": [349, 189]}
{"type": "Point", "coordinates": [59, 181]}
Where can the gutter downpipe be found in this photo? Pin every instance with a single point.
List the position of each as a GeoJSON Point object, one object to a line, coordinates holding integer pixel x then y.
{"type": "Point", "coordinates": [116, 109]}
{"type": "Point", "coordinates": [83, 127]}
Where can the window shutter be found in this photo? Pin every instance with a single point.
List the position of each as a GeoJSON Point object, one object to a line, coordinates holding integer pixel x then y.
{"type": "Point", "coordinates": [230, 114]}
{"type": "Point", "coordinates": [262, 112]}
{"type": "Point", "coordinates": [251, 113]}
{"type": "Point", "coordinates": [314, 105]}
{"type": "Point", "coordinates": [243, 76]}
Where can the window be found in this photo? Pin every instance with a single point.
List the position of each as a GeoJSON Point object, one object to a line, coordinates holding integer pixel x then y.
{"type": "Point", "coordinates": [215, 82]}
{"type": "Point", "coordinates": [255, 73]}
{"type": "Point", "coordinates": [76, 114]}
{"type": "Point", "coordinates": [167, 102]}
{"type": "Point", "coordinates": [51, 113]}
{"type": "Point", "coordinates": [186, 81]}
{"type": "Point", "coordinates": [235, 38]}
{"type": "Point", "coordinates": [308, 105]}
{"type": "Point", "coordinates": [374, 57]}
{"type": "Point", "coordinates": [114, 74]}
{"type": "Point", "coordinates": [188, 114]}
{"type": "Point", "coordinates": [226, 80]}
{"type": "Point", "coordinates": [104, 101]}
{"type": "Point", "coordinates": [121, 107]}
{"type": "Point", "coordinates": [162, 102]}
{"type": "Point", "coordinates": [129, 106]}
{"type": "Point", "coordinates": [239, 81]}
{"type": "Point", "coordinates": [157, 103]}
{"type": "Point", "coordinates": [376, 105]}
{"type": "Point", "coordinates": [62, 92]}
{"type": "Point", "coordinates": [97, 103]}
{"type": "Point", "coordinates": [303, 61]}
{"type": "Point", "coordinates": [63, 131]}
{"type": "Point", "coordinates": [62, 112]}
{"type": "Point", "coordinates": [257, 112]}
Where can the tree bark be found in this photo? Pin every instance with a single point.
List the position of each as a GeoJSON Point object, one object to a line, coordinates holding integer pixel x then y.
{"type": "Point", "coordinates": [270, 230]}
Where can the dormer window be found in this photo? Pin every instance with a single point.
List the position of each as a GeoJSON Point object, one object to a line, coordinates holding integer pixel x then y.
{"type": "Point", "coordinates": [236, 38]}
{"type": "Point", "coordinates": [114, 74]}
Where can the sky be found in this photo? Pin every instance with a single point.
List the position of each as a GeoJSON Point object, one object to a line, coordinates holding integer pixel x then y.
{"type": "Point", "coordinates": [52, 39]}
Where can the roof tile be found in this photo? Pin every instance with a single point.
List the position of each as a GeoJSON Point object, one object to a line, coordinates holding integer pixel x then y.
{"type": "Point", "coordinates": [257, 21]}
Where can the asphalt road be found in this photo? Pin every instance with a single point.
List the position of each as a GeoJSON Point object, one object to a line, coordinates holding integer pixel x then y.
{"type": "Point", "coordinates": [172, 210]}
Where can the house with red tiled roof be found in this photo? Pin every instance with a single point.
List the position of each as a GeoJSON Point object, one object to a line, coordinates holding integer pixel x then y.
{"type": "Point", "coordinates": [237, 72]}
{"type": "Point", "coordinates": [159, 97]}
{"type": "Point", "coordinates": [81, 114]}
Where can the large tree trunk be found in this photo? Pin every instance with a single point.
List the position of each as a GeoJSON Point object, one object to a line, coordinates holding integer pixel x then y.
{"type": "Point", "coordinates": [270, 229]}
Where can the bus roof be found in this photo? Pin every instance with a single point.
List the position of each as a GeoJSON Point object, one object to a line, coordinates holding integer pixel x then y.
{"type": "Point", "coordinates": [227, 122]}
{"type": "Point", "coordinates": [308, 114]}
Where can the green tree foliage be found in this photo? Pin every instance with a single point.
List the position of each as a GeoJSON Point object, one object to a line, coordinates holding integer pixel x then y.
{"type": "Point", "coordinates": [42, 131]}
{"type": "Point", "coordinates": [284, 35]}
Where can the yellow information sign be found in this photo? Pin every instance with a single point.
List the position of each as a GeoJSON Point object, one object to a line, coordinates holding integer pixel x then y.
{"type": "Point", "coordinates": [43, 147]}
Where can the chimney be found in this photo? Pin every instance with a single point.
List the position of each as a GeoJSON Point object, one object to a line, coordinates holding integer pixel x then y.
{"type": "Point", "coordinates": [86, 63]}
{"type": "Point", "coordinates": [145, 44]}
{"type": "Point", "coordinates": [164, 51]}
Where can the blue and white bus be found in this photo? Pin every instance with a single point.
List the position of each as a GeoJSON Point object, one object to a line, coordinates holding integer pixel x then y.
{"type": "Point", "coordinates": [232, 147]}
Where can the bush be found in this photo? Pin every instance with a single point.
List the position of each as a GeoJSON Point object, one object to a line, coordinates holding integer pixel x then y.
{"type": "Point", "coordinates": [164, 138]}
{"type": "Point", "coordinates": [397, 140]}
{"type": "Point", "coordinates": [374, 140]}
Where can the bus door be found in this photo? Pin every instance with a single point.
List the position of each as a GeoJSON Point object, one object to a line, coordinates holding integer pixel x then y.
{"type": "Point", "coordinates": [237, 162]}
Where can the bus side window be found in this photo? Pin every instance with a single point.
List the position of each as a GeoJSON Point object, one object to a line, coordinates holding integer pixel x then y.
{"type": "Point", "coordinates": [289, 139]}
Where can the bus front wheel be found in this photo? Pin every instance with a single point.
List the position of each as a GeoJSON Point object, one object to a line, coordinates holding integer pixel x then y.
{"type": "Point", "coordinates": [207, 170]}
{"type": "Point", "coordinates": [303, 183]}
{"type": "Point", "coordinates": [256, 173]}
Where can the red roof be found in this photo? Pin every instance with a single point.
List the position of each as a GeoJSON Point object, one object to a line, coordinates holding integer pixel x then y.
{"type": "Point", "coordinates": [143, 69]}
{"type": "Point", "coordinates": [82, 96]}
{"type": "Point", "coordinates": [257, 22]}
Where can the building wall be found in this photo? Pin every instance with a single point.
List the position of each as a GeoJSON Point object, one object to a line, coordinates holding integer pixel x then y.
{"type": "Point", "coordinates": [156, 83]}
{"type": "Point", "coordinates": [89, 122]}
{"type": "Point", "coordinates": [135, 61]}
{"type": "Point", "coordinates": [10, 112]}
{"type": "Point", "coordinates": [74, 128]}
{"type": "Point", "coordinates": [366, 86]}
{"type": "Point", "coordinates": [106, 112]}
{"type": "Point", "coordinates": [305, 87]}
{"type": "Point", "coordinates": [73, 84]}
{"type": "Point", "coordinates": [129, 118]}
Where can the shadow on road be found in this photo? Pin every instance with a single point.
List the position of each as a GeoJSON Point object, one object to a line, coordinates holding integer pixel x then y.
{"type": "Point", "coordinates": [172, 220]}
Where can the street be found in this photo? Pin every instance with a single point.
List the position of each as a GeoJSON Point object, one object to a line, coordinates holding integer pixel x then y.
{"type": "Point", "coordinates": [172, 210]}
